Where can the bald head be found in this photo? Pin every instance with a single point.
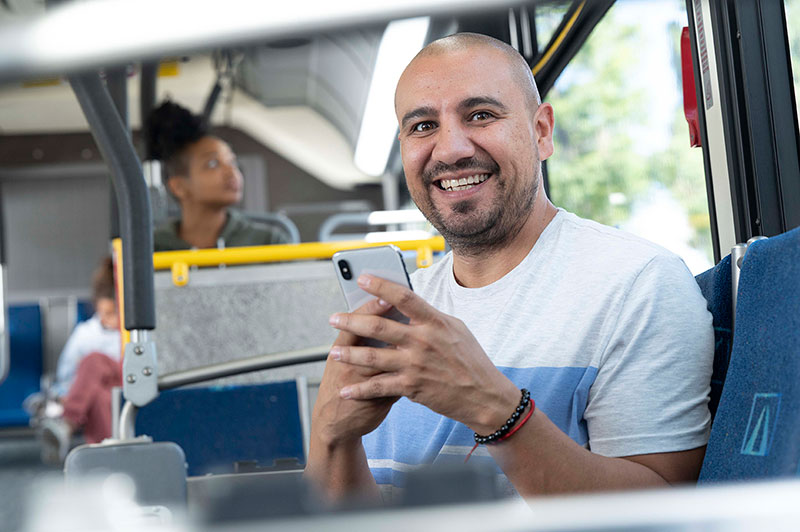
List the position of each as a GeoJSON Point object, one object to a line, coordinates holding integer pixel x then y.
{"type": "Point", "coordinates": [461, 42]}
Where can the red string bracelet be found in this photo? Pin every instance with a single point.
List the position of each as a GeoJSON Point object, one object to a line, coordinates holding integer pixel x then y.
{"type": "Point", "coordinates": [510, 432]}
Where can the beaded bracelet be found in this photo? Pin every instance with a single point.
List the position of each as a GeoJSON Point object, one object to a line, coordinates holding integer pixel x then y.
{"type": "Point", "coordinates": [502, 431]}
{"type": "Point", "coordinates": [511, 426]}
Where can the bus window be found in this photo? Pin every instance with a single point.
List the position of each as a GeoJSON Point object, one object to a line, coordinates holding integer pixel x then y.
{"type": "Point", "coordinates": [792, 9]}
{"type": "Point", "coordinates": [548, 17]}
{"type": "Point", "coordinates": [622, 143]}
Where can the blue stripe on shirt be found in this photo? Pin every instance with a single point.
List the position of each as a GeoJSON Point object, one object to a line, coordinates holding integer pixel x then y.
{"type": "Point", "coordinates": [412, 435]}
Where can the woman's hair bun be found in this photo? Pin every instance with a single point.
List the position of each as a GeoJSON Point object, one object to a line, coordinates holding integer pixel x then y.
{"type": "Point", "coordinates": [169, 129]}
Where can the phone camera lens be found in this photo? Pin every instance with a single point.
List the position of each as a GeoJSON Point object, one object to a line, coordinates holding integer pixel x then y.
{"type": "Point", "coordinates": [345, 269]}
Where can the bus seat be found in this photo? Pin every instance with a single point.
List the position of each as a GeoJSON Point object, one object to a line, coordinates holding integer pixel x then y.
{"type": "Point", "coordinates": [85, 309]}
{"type": "Point", "coordinates": [280, 221]}
{"type": "Point", "coordinates": [241, 311]}
{"type": "Point", "coordinates": [756, 430]}
{"type": "Point", "coordinates": [715, 284]}
{"type": "Point", "coordinates": [220, 426]}
{"type": "Point", "coordinates": [25, 371]}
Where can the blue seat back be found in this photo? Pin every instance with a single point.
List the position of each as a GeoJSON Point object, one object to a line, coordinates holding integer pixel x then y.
{"type": "Point", "coordinates": [26, 360]}
{"type": "Point", "coordinates": [715, 284]}
{"type": "Point", "coordinates": [85, 310]}
{"type": "Point", "coordinates": [217, 427]}
{"type": "Point", "coordinates": [756, 432]}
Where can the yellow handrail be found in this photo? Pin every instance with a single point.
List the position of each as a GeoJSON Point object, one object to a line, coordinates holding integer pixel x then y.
{"type": "Point", "coordinates": [164, 260]}
{"type": "Point", "coordinates": [179, 261]}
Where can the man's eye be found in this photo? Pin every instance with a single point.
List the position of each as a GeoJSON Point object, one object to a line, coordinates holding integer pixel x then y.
{"type": "Point", "coordinates": [480, 115]}
{"type": "Point", "coordinates": [212, 163]}
{"type": "Point", "coordinates": [422, 127]}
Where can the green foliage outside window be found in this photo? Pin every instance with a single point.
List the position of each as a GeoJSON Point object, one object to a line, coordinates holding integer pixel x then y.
{"type": "Point", "coordinates": [601, 110]}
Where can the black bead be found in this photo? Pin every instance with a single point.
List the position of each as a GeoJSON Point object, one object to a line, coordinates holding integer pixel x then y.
{"type": "Point", "coordinates": [504, 428]}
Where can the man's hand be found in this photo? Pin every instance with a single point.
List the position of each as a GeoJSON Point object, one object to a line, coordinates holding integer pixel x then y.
{"type": "Point", "coordinates": [335, 420]}
{"type": "Point", "coordinates": [337, 463]}
{"type": "Point", "coordinates": [433, 360]}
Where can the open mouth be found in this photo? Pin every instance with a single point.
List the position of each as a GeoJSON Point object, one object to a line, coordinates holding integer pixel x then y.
{"type": "Point", "coordinates": [464, 183]}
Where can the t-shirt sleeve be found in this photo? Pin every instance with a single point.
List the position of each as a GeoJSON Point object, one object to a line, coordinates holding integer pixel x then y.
{"type": "Point", "coordinates": [651, 390]}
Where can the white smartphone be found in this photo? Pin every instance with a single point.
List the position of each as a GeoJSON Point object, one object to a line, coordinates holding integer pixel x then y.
{"type": "Point", "coordinates": [385, 262]}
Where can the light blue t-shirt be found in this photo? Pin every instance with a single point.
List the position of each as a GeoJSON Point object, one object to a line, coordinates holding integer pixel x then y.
{"type": "Point", "coordinates": [608, 331]}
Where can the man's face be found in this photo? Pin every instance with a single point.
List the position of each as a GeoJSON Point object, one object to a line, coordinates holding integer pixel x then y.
{"type": "Point", "coordinates": [468, 139]}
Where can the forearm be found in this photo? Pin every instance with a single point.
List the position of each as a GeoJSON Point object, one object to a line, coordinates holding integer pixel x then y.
{"type": "Point", "coordinates": [540, 459]}
{"type": "Point", "coordinates": [340, 470]}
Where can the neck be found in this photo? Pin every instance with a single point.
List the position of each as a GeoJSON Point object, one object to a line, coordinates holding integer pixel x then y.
{"type": "Point", "coordinates": [474, 270]}
{"type": "Point", "coordinates": [201, 226]}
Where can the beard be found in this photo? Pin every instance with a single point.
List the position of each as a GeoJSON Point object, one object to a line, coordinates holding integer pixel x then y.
{"type": "Point", "coordinates": [472, 228]}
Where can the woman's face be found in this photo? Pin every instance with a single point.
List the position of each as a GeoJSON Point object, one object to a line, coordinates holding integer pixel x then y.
{"type": "Point", "coordinates": [214, 178]}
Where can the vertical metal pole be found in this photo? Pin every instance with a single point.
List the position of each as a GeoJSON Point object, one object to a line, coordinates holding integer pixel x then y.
{"type": "Point", "coordinates": [5, 355]}
{"type": "Point", "coordinates": [147, 94]}
{"type": "Point", "coordinates": [117, 83]}
{"type": "Point", "coordinates": [136, 230]}
{"type": "Point", "coordinates": [116, 404]}
{"type": "Point", "coordinates": [304, 410]}
{"type": "Point", "coordinates": [737, 254]}
{"type": "Point", "coordinates": [127, 425]}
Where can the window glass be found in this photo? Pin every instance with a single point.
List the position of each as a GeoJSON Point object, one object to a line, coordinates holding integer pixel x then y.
{"type": "Point", "coordinates": [622, 154]}
{"type": "Point", "coordinates": [548, 17]}
{"type": "Point", "coordinates": [792, 8]}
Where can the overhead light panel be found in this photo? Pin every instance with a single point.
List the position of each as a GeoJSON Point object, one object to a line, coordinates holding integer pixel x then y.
{"type": "Point", "coordinates": [401, 41]}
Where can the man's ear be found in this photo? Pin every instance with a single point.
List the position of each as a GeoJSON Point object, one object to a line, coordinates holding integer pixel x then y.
{"type": "Point", "coordinates": [543, 123]}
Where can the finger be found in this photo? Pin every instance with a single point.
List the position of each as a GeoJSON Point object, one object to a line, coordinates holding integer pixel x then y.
{"type": "Point", "coordinates": [375, 306]}
{"type": "Point", "coordinates": [401, 297]}
{"type": "Point", "coordinates": [369, 357]}
{"type": "Point", "coordinates": [381, 385]}
{"type": "Point", "coordinates": [370, 326]}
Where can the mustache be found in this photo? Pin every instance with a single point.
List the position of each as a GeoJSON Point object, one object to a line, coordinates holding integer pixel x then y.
{"type": "Point", "coordinates": [440, 168]}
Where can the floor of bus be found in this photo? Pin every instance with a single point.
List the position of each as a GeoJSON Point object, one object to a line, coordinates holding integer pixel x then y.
{"type": "Point", "coordinates": [20, 468]}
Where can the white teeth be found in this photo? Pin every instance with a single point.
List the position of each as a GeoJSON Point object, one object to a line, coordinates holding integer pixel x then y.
{"type": "Point", "coordinates": [464, 183]}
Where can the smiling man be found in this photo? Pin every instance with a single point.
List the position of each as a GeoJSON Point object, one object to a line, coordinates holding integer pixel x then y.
{"type": "Point", "coordinates": [577, 357]}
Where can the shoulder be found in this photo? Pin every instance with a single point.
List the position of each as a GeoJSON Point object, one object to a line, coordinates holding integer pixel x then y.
{"type": "Point", "coordinates": [87, 328]}
{"type": "Point", "coordinates": [608, 251]}
{"type": "Point", "coordinates": [242, 231]}
{"type": "Point", "coordinates": [434, 274]}
{"type": "Point", "coordinates": [165, 237]}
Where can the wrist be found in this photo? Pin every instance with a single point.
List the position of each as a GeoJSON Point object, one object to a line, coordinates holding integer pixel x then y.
{"type": "Point", "coordinates": [496, 409]}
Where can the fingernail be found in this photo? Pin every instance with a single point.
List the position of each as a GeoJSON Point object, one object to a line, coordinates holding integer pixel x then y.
{"type": "Point", "coordinates": [336, 353]}
{"type": "Point", "coordinates": [334, 320]}
{"type": "Point", "coordinates": [363, 281]}
{"type": "Point", "coordinates": [345, 393]}
{"type": "Point", "coordinates": [383, 303]}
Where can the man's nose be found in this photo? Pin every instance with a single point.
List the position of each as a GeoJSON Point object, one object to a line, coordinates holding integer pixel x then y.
{"type": "Point", "coordinates": [453, 144]}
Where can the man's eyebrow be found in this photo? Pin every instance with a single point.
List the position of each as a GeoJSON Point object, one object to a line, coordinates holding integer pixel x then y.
{"type": "Point", "coordinates": [477, 101]}
{"type": "Point", "coordinates": [417, 113]}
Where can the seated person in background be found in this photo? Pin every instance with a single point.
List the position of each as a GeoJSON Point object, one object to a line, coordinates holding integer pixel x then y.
{"type": "Point", "coordinates": [98, 334]}
{"type": "Point", "coordinates": [608, 333]}
{"type": "Point", "coordinates": [202, 174]}
{"type": "Point", "coordinates": [88, 368]}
